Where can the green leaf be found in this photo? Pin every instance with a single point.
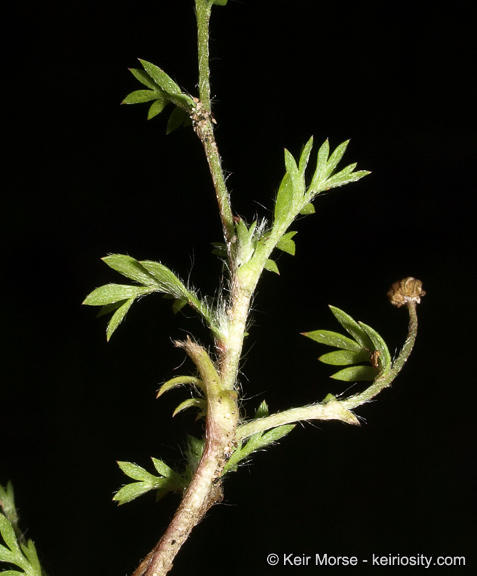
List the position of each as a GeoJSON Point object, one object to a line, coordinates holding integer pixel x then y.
{"type": "Point", "coordinates": [335, 158]}
{"type": "Point", "coordinates": [178, 117]}
{"type": "Point", "coordinates": [262, 411]}
{"type": "Point", "coordinates": [284, 201]}
{"type": "Point", "coordinates": [8, 535]}
{"type": "Point", "coordinates": [164, 81]}
{"type": "Point", "coordinates": [162, 468]}
{"type": "Point", "coordinates": [111, 293]}
{"type": "Point", "coordinates": [286, 244]}
{"type": "Point", "coordinates": [292, 170]}
{"type": "Point", "coordinates": [307, 209]}
{"type": "Point", "coordinates": [342, 180]}
{"type": "Point", "coordinates": [11, 572]}
{"type": "Point", "coordinates": [333, 339]}
{"type": "Point", "coordinates": [118, 317]}
{"type": "Point", "coordinates": [352, 327]}
{"type": "Point", "coordinates": [219, 2]}
{"type": "Point", "coordinates": [167, 280]}
{"type": "Point", "coordinates": [180, 381]}
{"type": "Point", "coordinates": [136, 472]}
{"type": "Point", "coordinates": [132, 491]}
{"type": "Point", "coordinates": [344, 357]}
{"type": "Point", "coordinates": [321, 164]}
{"type": "Point", "coordinates": [192, 403]}
{"type": "Point", "coordinates": [356, 374]}
{"type": "Point", "coordinates": [304, 157]}
{"type": "Point", "coordinates": [271, 266]}
{"type": "Point", "coordinates": [384, 360]}
{"type": "Point", "coordinates": [156, 108]}
{"type": "Point", "coordinates": [143, 77]}
{"type": "Point", "coordinates": [141, 96]}
{"type": "Point", "coordinates": [131, 268]}
{"type": "Point", "coordinates": [29, 551]}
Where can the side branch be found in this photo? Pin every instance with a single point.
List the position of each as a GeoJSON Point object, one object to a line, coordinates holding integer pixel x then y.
{"type": "Point", "coordinates": [332, 408]}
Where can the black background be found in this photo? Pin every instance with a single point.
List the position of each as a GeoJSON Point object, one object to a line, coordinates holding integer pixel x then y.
{"type": "Point", "coordinates": [84, 177]}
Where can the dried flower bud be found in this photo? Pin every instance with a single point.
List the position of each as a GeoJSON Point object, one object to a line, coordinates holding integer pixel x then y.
{"type": "Point", "coordinates": [405, 291]}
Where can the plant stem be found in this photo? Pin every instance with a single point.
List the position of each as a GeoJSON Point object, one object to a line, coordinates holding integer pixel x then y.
{"type": "Point", "coordinates": [204, 125]}
{"type": "Point", "coordinates": [205, 488]}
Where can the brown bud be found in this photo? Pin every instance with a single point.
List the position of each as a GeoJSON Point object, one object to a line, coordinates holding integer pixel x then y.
{"type": "Point", "coordinates": [405, 291]}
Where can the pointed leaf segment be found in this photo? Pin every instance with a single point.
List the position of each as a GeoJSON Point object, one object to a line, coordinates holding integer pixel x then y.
{"type": "Point", "coordinates": [151, 277]}
{"type": "Point", "coordinates": [365, 354]}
